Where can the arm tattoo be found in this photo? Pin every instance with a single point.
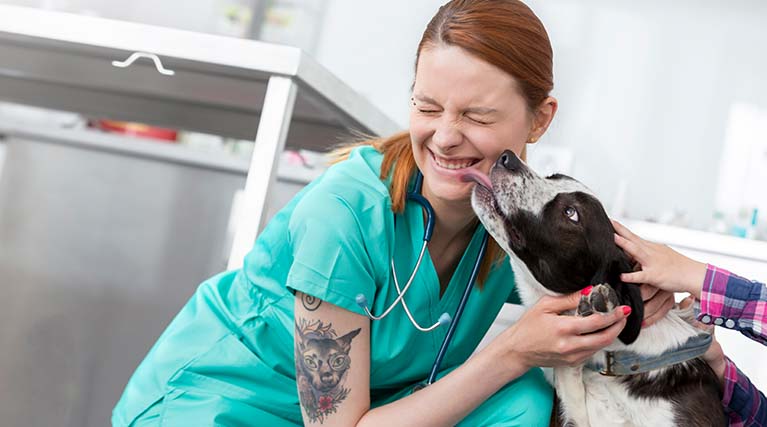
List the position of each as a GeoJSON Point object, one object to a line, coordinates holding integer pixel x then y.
{"type": "Point", "coordinates": [322, 361]}
{"type": "Point", "coordinates": [310, 302]}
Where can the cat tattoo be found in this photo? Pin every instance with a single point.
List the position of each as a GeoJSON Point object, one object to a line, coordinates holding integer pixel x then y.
{"type": "Point", "coordinates": [322, 361]}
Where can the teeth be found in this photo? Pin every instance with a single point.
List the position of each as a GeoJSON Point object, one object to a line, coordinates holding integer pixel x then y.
{"type": "Point", "coordinates": [453, 165]}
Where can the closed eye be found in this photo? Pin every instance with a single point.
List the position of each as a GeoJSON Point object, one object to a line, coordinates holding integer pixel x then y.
{"type": "Point", "coordinates": [571, 214]}
{"type": "Point", "coordinates": [481, 122]}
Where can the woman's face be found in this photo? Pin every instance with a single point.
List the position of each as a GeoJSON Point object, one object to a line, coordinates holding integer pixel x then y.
{"type": "Point", "coordinates": [464, 113]}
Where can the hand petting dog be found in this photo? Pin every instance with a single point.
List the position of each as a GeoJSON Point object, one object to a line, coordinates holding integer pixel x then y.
{"type": "Point", "coordinates": [543, 337]}
{"type": "Point", "coordinates": [662, 267]}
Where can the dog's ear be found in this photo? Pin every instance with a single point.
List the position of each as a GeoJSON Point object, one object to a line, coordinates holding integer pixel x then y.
{"type": "Point", "coordinates": [628, 293]}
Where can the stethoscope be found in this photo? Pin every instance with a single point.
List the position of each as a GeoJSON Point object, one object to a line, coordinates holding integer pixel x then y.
{"type": "Point", "coordinates": [444, 319]}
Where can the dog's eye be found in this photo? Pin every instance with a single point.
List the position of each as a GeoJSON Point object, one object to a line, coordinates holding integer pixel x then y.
{"type": "Point", "coordinates": [571, 214]}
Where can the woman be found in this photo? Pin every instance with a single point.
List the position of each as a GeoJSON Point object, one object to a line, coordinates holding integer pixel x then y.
{"type": "Point", "coordinates": [284, 342]}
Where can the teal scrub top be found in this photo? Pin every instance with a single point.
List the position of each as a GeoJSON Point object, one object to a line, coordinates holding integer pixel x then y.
{"type": "Point", "coordinates": [229, 353]}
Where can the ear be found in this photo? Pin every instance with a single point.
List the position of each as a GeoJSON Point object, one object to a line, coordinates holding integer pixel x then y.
{"type": "Point", "coordinates": [346, 341]}
{"type": "Point", "coordinates": [628, 293]}
{"type": "Point", "coordinates": [542, 117]}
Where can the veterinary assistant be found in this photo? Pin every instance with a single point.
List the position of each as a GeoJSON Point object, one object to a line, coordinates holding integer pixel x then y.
{"type": "Point", "coordinates": [229, 352]}
{"type": "Point", "coordinates": [284, 342]}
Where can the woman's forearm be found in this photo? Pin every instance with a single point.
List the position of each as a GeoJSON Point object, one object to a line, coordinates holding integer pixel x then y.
{"type": "Point", "coordinates": [452, 398]}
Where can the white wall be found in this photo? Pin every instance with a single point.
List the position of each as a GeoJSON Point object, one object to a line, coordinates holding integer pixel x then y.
{"type": "Point", "coordinates": [645, 88]}
{"type": "Point", "coordinates": [371, 46]}
{"type": "Point", "coordinates": [196, 15]}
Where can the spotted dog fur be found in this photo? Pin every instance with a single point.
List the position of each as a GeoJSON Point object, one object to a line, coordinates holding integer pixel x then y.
{"type": "Point", "coordinates": [559, 240]}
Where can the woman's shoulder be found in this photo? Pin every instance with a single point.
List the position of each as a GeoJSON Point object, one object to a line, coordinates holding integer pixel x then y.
{"type": "Point", "coordinates": [349, 195]}
{"type": "Point", "coordinates": [361, 170]}
{"type": "Point", "coordinates": [354, 182]}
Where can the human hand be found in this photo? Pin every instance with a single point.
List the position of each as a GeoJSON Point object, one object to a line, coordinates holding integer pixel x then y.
{"type": "Point", "coordinates": [714, 356]}
{"type": "Point", "coordinates": [662, 266]}
{"type": "Point", "coordinates": [543, 337]}
{"type": "Point", "coordinates": [657, 303]}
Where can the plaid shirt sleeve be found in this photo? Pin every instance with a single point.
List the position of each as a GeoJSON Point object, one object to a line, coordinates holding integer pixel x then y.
{"type": "Point", "coordinates": [736, 303]}
{"type": "Point", "coordinates": [743, 403]}
{"type": "Point", "coordinates": [733, 302]}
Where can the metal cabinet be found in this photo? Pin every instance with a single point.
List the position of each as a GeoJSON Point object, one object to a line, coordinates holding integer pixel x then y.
{"type": "Point", "coordinates": [102, 239]}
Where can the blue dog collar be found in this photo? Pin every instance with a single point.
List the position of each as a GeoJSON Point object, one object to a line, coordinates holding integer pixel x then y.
{"type": "Point", "coordinates": [631, 363]}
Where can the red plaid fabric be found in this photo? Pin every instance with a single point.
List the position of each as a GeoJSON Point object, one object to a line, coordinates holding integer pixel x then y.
{"type": "Point", "coordinates": [733, 302]}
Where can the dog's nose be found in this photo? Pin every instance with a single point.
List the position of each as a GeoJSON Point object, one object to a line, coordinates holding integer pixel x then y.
{"type": "Point", "coordinates": [509, 161]}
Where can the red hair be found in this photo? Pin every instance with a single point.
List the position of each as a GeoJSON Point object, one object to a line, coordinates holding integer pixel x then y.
{"type": "Point", "coordinates": [504, 33]}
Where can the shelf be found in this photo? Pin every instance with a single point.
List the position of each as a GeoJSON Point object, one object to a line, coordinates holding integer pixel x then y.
{"type": "Point", "coordinates": [146, 148]}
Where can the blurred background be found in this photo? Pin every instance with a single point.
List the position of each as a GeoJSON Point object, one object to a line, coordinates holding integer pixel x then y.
{"type": "Point", "coordinates": [107, 224]}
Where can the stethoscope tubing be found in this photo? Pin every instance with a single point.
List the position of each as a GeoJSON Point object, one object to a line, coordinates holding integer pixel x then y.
{"type": "Point", "coordinates": [445, 319]}
{"type": "Point", "coordinates": [442, 320]}
{"type": "Point", "coordinates": [458, 313]}
{"type": "Point", "coordinates": [401, 293]}
{"type": "Point", "coordinates": [417, 197]}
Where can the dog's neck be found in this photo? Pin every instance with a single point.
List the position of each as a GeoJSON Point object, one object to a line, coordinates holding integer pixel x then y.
{"type": "Point", "coordinates": [529, 288]}
{"type": "Point", "coordinates": [669, 332]}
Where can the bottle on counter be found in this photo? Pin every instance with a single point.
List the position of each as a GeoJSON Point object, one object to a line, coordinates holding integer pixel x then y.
{"type": "Point", "coordinates": [720, 223]}
{"type": "Point", "coordinates": [751, 228]}
{"type": "Point", "coordinates": [738, 228]}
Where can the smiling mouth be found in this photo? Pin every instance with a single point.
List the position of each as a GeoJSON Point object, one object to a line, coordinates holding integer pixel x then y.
{"type": "Point", "coordinates": [453, 164]}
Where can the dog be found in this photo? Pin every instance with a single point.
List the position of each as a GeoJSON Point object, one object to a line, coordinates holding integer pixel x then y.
{"type": "Point", "coordinates": [559, 240]}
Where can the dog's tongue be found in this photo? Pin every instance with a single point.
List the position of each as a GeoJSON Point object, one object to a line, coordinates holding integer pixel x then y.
{"type": "Point", "coordinates": [478, 177]}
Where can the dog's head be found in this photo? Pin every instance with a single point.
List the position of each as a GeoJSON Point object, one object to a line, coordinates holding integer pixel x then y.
{"type": "Point", "coordinates": [557, 229]}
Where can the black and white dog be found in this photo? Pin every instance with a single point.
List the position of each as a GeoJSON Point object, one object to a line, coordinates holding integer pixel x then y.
{"type": "Point", "coordinates": [560, 240]}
